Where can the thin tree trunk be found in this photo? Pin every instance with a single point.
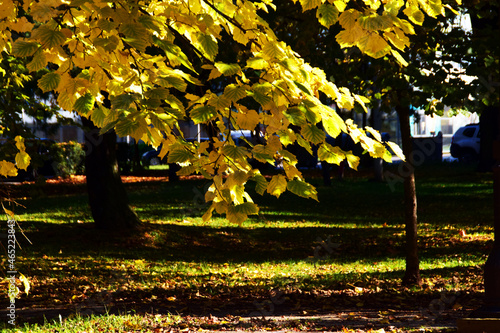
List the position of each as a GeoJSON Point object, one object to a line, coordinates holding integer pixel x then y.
{"type": "Point", "coordinates": [412, 274]}
{"type": "Point", "coordinates": [378, 163]}
{"type": "Point", "coordinates": [107, 196]}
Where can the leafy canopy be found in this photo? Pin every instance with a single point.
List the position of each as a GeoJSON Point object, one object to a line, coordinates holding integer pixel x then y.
{"type": "Point", "coordinates": [158, 61]}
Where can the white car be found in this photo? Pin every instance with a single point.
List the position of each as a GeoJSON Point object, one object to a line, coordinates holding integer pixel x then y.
{"type": "Point", "coordinates": [465, 143]}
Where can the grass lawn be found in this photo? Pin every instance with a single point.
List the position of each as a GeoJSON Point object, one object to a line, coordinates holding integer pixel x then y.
{"type": "Point", "coordinates": [330, 265]}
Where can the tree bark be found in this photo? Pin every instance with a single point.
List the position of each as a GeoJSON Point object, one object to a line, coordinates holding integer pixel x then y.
{"type": "Point", "coordinates": [412, 274]}
{"type": "Point", "coordinates": [107, 196]}
{"type": "Point", "coordinates": [488, 127]}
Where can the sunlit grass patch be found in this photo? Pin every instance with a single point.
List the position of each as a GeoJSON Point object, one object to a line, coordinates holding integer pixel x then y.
{"type": "Point", "coordinates": [105, 323]}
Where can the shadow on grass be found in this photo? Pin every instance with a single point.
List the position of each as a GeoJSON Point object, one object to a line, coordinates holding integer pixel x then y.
{"type": "Point", "coordinates": [361, 295]}
{"type": "Point", "coordinates": [188, 242]}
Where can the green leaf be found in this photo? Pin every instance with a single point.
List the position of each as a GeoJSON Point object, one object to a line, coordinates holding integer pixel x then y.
{"type": "Point", "coordinates": [263, 154]}
{"type": "Point", "coordinates": [187, 170]}
{"type": "Point", "coordinates": [151, 103]}
{"type": "Point", "coordinates": [123, 101]}
{"type": "Point", "coordinates": [139, 44]}
{"type": "Point", "coordinates": [109, 126]}
{"type": "Point", "coordinates": [24, 49]}
{"type": "Point", "coordinates": [106, 25]}
{"type": "Point", "coordinates": [162, 121]}
{"type": "Point", "coordinates": [219, 102]}
{"type": "Point", "coordinates": [176, 113]}
{"type": "Point", "coordinates": [84, 104]}
{"type": "Point", "coordinates": [291, 158]}
{"type": "Point", "coordinates": [38, 62]}
{"type": "Point", "coordinates": [173, 81]}
{"type": "Point", "coordinates": [248, 208]}
{"type": "Point", "coordinates": [49, 37]}
{"type": "Point", "coordinates": [174, 53]}
{"type": "Point", "coordinates": [273, 51]}
{"type": "Point", "coordinates": [375, 22]}
{"type": "Point", "coordinates": [151, 22]}
{"type": "Point", "coordinates": [208, 45]}
{"type": "Point", "coordinates": [302, 87]}
{"type": "Point", "coordinates": [175, 103]}
{"type": "Point", "coordinates": [234, 152]}
{"type": "Point", "coordinates": [257, 63]}
{"type": "Point", "coordinates": [304, 144]}
{"type": "Point", "coordinates": [330, 154]}
{"type": "Point", "coordinates": [303, 189]}
{"type": "Point", "coordinates": [49, 81]}
{"type": "Point", "coordinates": [234, 216]}
{"type": "Point", "coordinates": [260, 98]}
{"type": "Point", "coordinates": [127, 127]}
{"type": "Point", "coordinates": [295, 115]}
{"type": "Point", "coordinates": [287, 136]}
{"type": "Point", "coordinates": [309, 4]}
{"type": "Point", "coordinates": [133, 30]}
{"type": "Point", "coordinates": [202, 114]}
{"type": "Point", "coordinates": [228, 69]}
{"type": "Point", "coordinates": [234, 92]}
{"type": "Point", "coordinates": [312, 133]}
{"type": "Point", "coordinates": [327, 15]}
{"type": "Point", "coordinates": [261, 183]}
{"type": "Point", "coordinates": [179, 155]}
{"type": "Point", "coordinates": [109, 43]}
{"type": "Point", "coordinates": [312, 111]}
{"type": "Point", "coordinates": [99, 116]}
{"type": "Point", "coordinates": [159, 93]}
{"type": "Point", "coordinates": [348, 19]}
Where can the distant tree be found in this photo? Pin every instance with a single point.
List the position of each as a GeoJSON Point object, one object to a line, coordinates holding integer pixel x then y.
{"type": "Point", "coordinates": [428, 81]}
{"type": "Point", "coordinates": [20, 97]}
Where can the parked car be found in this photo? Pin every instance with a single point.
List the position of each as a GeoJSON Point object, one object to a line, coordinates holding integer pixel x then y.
{"type": "Point", "coordinates": [465, 143]}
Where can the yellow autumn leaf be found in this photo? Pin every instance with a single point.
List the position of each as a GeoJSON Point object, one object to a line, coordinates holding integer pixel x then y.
{"type": "Point", "coordinates": [26, 283]}
{"type": "Point", "coordinates": [374, 45]}
{"type": "Point", "coordinates": [22, 25]}
{"type": "Point", "coordinates": [20, 143]}
{"type": "Point", "coordinates": [291, 171]}
{"type": "Point", "coordinates": [8, 211]}
{"type": "Point", "coordinates": [277, 185]}
{"type": "Point", "coordinates": [352, 160]}
{"type": "Point", "coordinates": [22, 160]}
{"type": "Point", "coordinates": [8, 169]}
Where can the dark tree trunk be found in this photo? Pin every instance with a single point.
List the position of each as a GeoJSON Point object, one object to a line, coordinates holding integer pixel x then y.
{"type": "Point", "coordinates": [107, 196]}
{"type": "Point", "coordinates": [488, 127]}
{"type": "Point", "coordinates": [412, 274]}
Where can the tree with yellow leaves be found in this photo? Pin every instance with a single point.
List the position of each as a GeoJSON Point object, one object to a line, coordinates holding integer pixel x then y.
{"type": "Point", "coordinates": [141, 67]}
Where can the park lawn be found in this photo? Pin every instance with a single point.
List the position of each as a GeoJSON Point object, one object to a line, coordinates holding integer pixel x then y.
{"type": "Point", "coordinates": [343, 254]}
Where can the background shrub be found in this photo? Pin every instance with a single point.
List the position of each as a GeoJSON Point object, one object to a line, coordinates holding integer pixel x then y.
{"type": "Point", "coordinates": [69, 158]}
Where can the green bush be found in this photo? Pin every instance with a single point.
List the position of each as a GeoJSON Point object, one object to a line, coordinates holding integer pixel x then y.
{"type": "Point", "coordinates": [68, 158]}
